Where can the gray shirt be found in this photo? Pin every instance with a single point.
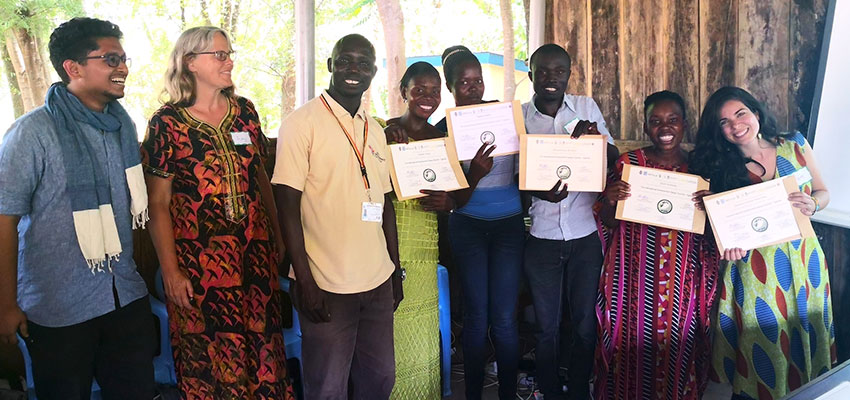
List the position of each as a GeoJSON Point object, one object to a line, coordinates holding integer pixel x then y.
{"type": "Point", "coordinates": [55, 286]}
{"type": "Point", "coordinates": [572, 218]}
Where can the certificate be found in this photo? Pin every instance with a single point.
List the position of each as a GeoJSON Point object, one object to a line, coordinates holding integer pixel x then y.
{"type": "Point", "coordinates": [757, 215]}
{"type": "Point", "coordinates": [425, 164]}
{"type": "Point", "coordinates": [580, 163]}
{"type": "Point", "coordinates": [662, 198]}
{"type": "Point", "coordinates": [490, 123]}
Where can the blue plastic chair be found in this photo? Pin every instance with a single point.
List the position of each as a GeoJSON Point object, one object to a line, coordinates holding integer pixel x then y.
{"type": "Point", "coordinates": [445, 328]}
{"type": "Point", "coordinates": [163, 364]}
{"type": "Point", "coordinates": [95, 389]}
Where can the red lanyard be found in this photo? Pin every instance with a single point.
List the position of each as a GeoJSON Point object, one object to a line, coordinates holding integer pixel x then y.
{"type": "Point", "coordinates": [357, 152]}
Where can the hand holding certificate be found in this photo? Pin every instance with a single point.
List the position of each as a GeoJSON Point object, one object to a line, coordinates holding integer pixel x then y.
{"type": "Point", "coordinates": [757, 215]}
{"type": "Point", "coordinates": [662, 198]}
{"type": "Point", "coordinates": [488, 123]}
{"type": "Point", "coordinates": [580, 163]}
{"type": "Point", "coordinates": [425, 164]}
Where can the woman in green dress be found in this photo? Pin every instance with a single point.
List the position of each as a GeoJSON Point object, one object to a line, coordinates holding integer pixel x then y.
{"type": "Point", "coordinates": [774, 328]}
{"type": "Point", "coordinates": [416, 326]}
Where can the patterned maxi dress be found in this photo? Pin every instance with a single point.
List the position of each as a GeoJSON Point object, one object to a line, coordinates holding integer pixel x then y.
{"type": "Point", "coordinates": [774, 330]}
{"type": "Point", "coordinates": [416, 324]}
{"type": "Point", "coordinates": [654, 305]}
{"type": "Point", "coordinates": [231, 345]}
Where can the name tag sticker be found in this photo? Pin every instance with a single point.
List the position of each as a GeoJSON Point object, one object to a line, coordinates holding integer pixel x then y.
{"type": "Point", "coordinates": [372, 212]}
{"type": "Point", "coordinates": [571, 126]}
{"type": "Point", "coordinates": [803, 176]}
{"type": "Point", "coordinates": [241, 138]}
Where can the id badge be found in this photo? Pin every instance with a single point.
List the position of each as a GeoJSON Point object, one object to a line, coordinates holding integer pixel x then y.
{"type": "Point", "coordinates": [372, 212]}
{"type": "Point", "coordinates": [802, 176]}
{"type": "Point", "coordinates": [241, 138]}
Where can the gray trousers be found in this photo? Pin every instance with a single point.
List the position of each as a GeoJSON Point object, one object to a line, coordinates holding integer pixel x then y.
{"type": "Point", "coordinates": [355, 348]}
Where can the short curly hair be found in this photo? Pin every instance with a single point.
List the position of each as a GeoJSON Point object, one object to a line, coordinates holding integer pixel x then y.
{"type": "Point", "coordinates": [75, 39]}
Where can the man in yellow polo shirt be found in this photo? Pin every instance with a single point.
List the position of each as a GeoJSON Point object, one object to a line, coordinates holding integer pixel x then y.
{"type": "Point", "coordinates": [331, 182]}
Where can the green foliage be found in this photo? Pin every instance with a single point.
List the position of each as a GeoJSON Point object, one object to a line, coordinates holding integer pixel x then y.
{"type": "Point", "coordinates": [37, 16]}
{"type": "Point", "coordinates": [264, 38]}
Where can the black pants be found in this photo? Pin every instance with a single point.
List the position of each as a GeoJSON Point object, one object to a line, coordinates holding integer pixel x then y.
{"type": "Point", "coordinates": [355, 348]}
{"type": "Point", "coordinates": [116, 348]}
{"type": "Point", "coordinates": [561, 271]}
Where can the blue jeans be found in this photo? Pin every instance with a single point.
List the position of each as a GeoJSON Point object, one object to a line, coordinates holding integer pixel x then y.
{"type": "Point", "coordinates": [488, 255]}
{"type": "Point", "coordinates": [561, 271]}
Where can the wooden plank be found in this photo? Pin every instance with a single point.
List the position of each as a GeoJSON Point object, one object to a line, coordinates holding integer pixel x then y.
{"type": "Point", "coordinates": [605, 68]}
{"type": "Point", "coordinates": [549, 31]}
{"type": "Point", "coordinates": [643, 62]}
{"type": "Point", "coordinates": [683, 49]}
{"type": "Point", "coordinates": [570, 31]}
{"type": "Point", "coordinates": [718, 21]}
{"type": "Point", "coordinates": [763, 54]}
{"type": "Point", "coordinates": [808, 18]}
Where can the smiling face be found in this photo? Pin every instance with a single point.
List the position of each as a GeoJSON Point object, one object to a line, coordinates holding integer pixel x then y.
{"type": "Point", "coordinates": [550, 74]}
{"type": "Point", "coordinates": [423, 95]}
{"type": "Point", "coordinates": [352, 67]}
{"type": "Point", "coordinates": [94, 82]}
{"type": "Point", "coordinates": [210, 71]}
{"type": "Point", "coordinates": [468, 85]}
{"type": "Point", "coordinates": [665, 125]}
{"type": "Point", "coordinates": [738, 123]}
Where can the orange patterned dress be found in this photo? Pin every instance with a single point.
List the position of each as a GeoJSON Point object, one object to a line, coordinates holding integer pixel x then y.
{"type": "Point", "coordinates": [230, 346]}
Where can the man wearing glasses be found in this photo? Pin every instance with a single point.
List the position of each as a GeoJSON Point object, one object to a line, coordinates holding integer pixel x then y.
{"type": "Point", "coordinates": [71, 192]}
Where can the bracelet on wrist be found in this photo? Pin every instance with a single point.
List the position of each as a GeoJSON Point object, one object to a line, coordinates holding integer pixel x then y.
{"type": "Point", "coordinates": [817, 204]}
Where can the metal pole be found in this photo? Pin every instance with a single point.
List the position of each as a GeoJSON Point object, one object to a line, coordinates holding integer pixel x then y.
{"type": "Point", "coordinates": [305, 51]}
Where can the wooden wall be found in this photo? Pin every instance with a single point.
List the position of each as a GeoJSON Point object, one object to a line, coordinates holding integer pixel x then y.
{"type": "Point", "coordinates": [623, 50]}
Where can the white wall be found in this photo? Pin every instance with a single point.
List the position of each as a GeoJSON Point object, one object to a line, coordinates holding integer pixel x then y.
{"type": "Point", "coordinates": [832, 124]}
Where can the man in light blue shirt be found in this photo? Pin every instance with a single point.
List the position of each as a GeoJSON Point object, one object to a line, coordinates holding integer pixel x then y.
{"type": "Point", "coordinates": [68, 287]}
{"type": "Point", "coordinates": [563, 254]}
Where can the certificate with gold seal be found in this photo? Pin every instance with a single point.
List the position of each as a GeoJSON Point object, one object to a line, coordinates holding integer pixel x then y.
{"type": "Point", "coordinates": [662, 198]}
{"type": "Point", "coordinates": [424, 164]}
{"type": "Point", "coordinates": [488, 123]}
{"type": "Point", "coordinates": [757, 215]}
{"type": "Point", "coordinates": [546, 159]}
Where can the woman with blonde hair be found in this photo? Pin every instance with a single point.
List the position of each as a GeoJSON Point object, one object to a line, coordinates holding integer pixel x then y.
{"type": "Point", "coordinates": [214, 227]}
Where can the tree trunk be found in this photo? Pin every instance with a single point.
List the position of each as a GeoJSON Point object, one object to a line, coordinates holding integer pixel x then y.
{"type": "Point", "coordinates": [526, 7]}
{"type": "Point", "coordinates": [287, 93]}
{"type": "Point", "coordinates": [30, 66]}
{"type": "Point", "coordinates": [234, 17]}
{"type": "Point", "coordinates": [14, 90]}
{"type": "Point", "coordinates": [205, 14]}
{"type": "Point", "coordinates": [508, 48]}
{"type": "Point", "coordinates": [226, 12]}
{"type": "Point", "coordinates": [392, 21]}
{"type": "Point", "coordinates": [182, 15]}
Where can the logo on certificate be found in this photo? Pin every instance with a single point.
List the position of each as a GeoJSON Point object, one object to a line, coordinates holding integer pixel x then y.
{"type": "Point", "coordinates": [664, 206]}
{"type": "Point", "coordinates": [488, 137]}
{"type": "Point", "coordinates": [759, 224]}
{"type": "Point", "coordinates": [429, 175]}
{"type": "Point", "coordinates": [564, 172]}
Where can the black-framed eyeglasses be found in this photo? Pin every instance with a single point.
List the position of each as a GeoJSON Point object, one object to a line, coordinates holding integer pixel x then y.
{"type": "Point", "coordinates": [219, 55]}
{"type": "Point", "coordinates": [113, 59]}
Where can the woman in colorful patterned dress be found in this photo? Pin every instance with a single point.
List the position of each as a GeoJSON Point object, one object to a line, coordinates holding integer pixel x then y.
{"type": "Point", "coordinates": [214, 227]}
{"type": "Point", "coordinates": [774, 329]}
{"type": "Point", "coordinates": [657, 284]}
{"type": "Point", "coordinates": [416, 323]}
